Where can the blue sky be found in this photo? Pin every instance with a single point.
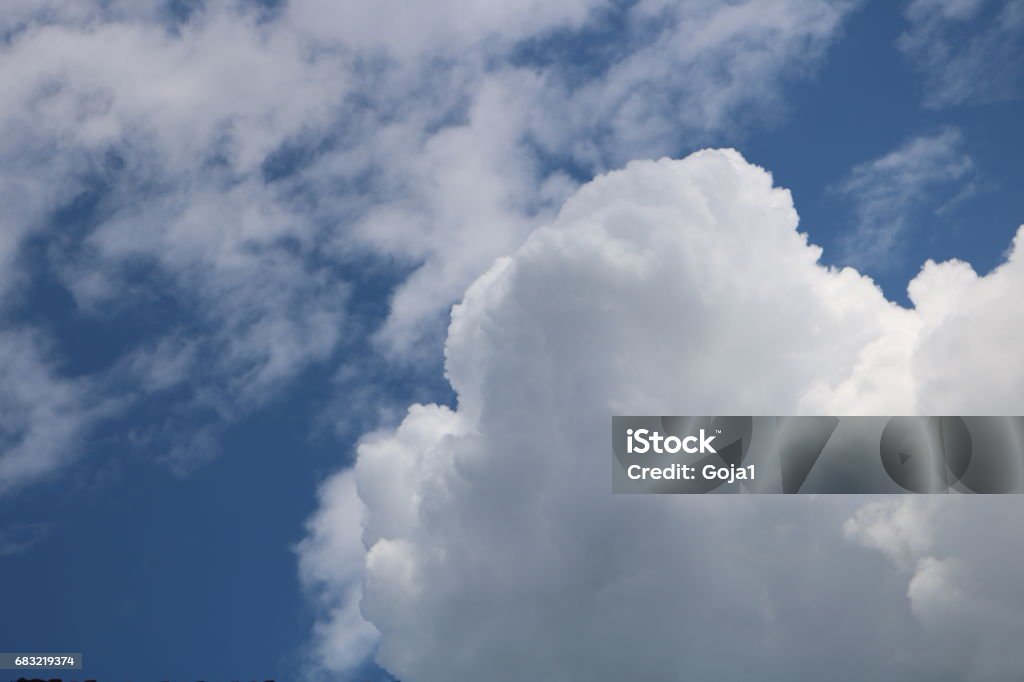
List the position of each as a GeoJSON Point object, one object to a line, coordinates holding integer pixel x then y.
{"type": "Point", "coordinates": [186, 396]}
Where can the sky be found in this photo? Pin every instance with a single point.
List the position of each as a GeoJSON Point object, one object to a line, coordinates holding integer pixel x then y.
{"type": "Point", "coordinates": [312, 316]}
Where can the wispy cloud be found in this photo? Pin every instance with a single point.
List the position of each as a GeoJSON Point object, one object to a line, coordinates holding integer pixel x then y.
{"type": "Point", "coordinates": [43, 416]}
{"type": "Point", "coordinates": [887, 193]}
{"type": "Point", "coordinates": [236, 158]}
{"type": "Point", "coordinates": [969, 51]}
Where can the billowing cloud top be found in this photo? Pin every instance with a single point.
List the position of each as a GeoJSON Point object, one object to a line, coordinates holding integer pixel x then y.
{"type": "Point", "coordinates": [495, 549]}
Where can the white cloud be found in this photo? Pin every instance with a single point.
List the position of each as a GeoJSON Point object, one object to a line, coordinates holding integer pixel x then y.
{"type": "Point", "coordinates": [968, 50]}
{"type": "Point", "coordinates": [496, 549]}
{"type": "Point", "coordinates": [901, 531]}
{"type": "Point", "coordinates": [973, 325]}
{"type": "Point", "coordinates": [888, 191]}
{"type": "Point", "coordinates": [432, 147]}
{"type": "Point", "coordinates": [409, 134]}
{"type": "Point", "coordinates": [330, 567]}
{"type": "Point", "coordinates": [963, 569]}
{"type": "Point", "coordinates": [708, 67]}
{"type": "Point", "coordinates": [42, 416]}
{"type": "Point", "coordinates": [169, 126]}
{"type": "Point", "coordinates": [399, 29]}
{"type": "Point", "coordinates": [690, 70]}
{"type": "Point", "coordinates": [89, 87]}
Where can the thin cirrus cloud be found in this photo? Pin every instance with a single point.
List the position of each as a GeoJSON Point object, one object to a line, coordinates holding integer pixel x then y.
{"type": "Point", "coordinates": [493, 548]}
{"type": "Point", "coordinates": [969, 51]}
{"type": "Point", "coordinates": [220, 167]}
{"type": "Point", "coordinates": [889, 193]}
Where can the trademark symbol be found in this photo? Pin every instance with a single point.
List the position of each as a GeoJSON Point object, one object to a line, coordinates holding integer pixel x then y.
{"type": "Point", "coordinates": [718, 431]}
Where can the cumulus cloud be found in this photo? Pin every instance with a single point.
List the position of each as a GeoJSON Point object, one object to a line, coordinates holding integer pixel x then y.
{"type": "Point", "coordinates": [966, 354]}
{"type": "Point", "coordinates": [888, 192]}
{"type": "Point", "coordinates": [330, 564]}
{"type": "Point", "coordinates": [962, 575]}
{"type": "Point", "coordinates": [494, 547]}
